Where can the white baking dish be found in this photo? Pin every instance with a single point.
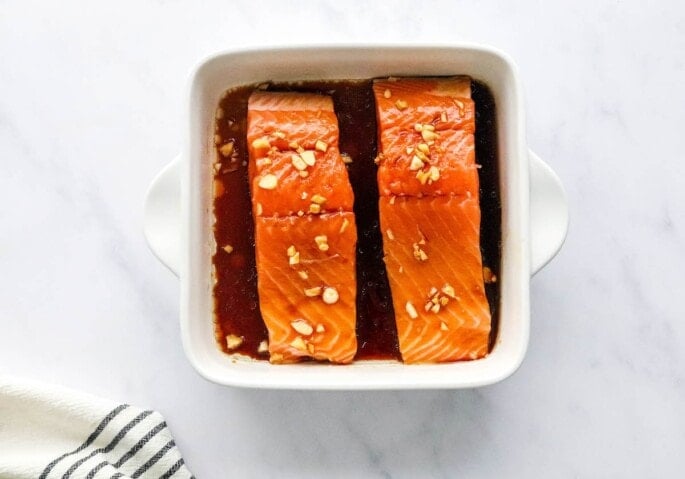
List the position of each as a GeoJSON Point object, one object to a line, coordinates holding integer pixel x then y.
{"type": "Point", "coordinates": [178, 225]}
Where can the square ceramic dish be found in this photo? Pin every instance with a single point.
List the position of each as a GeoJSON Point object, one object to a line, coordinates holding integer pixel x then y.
{"type": "Point", "coordinates": [191, 257]}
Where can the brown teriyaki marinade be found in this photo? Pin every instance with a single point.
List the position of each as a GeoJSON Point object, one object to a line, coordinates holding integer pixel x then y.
{"type": "Point", "coordinates": [236, 301]}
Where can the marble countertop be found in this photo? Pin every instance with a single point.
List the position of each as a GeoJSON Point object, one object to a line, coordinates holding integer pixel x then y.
{"type": "Point", "coordinates": [90, 109]}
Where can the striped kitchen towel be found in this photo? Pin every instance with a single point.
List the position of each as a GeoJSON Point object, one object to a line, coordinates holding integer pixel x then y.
{"type": "Point", "coordinates": [52, 432]}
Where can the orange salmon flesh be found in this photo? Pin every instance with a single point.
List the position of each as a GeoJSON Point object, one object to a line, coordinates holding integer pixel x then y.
{"type": "Point", "coordinates": [430, 218]}
{"type": "Point", "coordinates": [305, 232]}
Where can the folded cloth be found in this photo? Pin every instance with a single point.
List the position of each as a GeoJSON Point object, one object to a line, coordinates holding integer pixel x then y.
{"type": "Point", "coordinates": [52, 432]}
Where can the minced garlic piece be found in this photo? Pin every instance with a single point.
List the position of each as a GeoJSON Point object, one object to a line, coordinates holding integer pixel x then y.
{"type": "Point", "coordinates": [322, 242]}
{"type": "Point", "coordinates": [294, 259]}
{"type": "Point", "coordinates": [312, 292]}
{"type": "Point", "coordinates": [321, 146]}
{"type": "Point", "coordinates": [298, 343]}
{"type": "Point", "coordinates": [301, 326]}
{"type": "Point", "coordinates": [411, 310]}
{"type": "Point", "coordinates": [262, 142]}
{"type": "Point", "coordinates": [268, 182]}
{"type": "Point", "coordinates": [309, 157]}
{"type": "Point", "coordinates": [227, 149]}
{"type": "Point", "coordinates": [298, 162]}
{"type": "Point", "coordinates": [419, 254]}
{"type": "Point", "coordinates": [422, 176]}
{"type": "Point", "coordinates": [434, 173]}
{"type": "Point", "coordinates": [318, 199]}
{"type": "Point", "coordinates": [416, 163]}
{"type": "Point", "coordinates": [315, 208]}
{"type": "Point", "coordinates": [449, 290]}
{"type": "Point", "coordinates": [330, 295]}
{"type": "Point", "coordinates": [428, 135]}
{"type": "Point", "coordinates": [233, 341]}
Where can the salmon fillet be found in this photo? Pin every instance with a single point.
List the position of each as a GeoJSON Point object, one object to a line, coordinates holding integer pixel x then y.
{"type": "Point", "coordinates": [293, 137]}
{"type": "Point", "coordinates": [436, 277]}
{"type": "Point", "coordinates": [426, 137]}
{"type": "Point", "coordinates": [430, 218]}
{"type": "Point", "coordinates": [305, 232]}
{"type": "Point", "coordinates": [292, 294]}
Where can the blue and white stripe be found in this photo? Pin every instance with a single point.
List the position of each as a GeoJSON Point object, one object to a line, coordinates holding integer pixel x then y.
{"type": "Point", "coordinates": [128, 443]}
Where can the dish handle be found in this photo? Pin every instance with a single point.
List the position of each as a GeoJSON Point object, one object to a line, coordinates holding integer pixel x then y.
{"type": "Point", "coordinates": [548, 213]}
{"type": "Point", "coordinates": [162, 215]}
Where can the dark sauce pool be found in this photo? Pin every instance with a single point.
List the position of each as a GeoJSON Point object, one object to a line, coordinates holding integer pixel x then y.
{"type": "Point", "coordinates": [235, 293]}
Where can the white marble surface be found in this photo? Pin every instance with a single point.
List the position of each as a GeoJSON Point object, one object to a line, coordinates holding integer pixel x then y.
{"type": "Point", "coordinates": [90, 102]}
